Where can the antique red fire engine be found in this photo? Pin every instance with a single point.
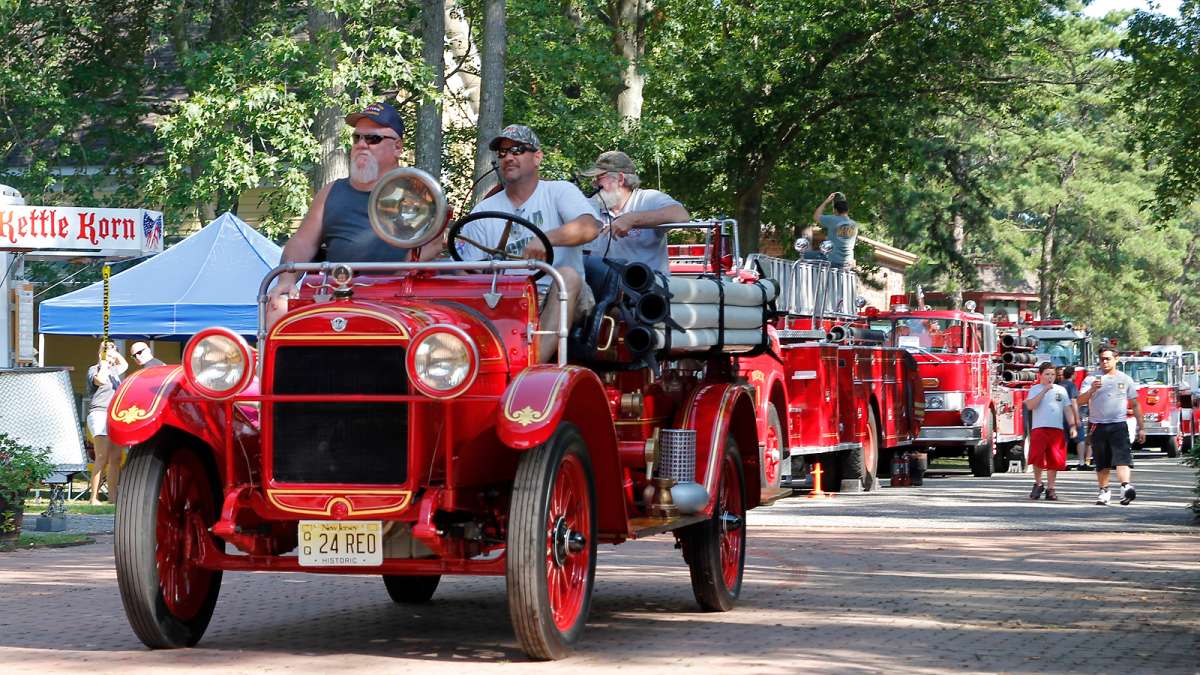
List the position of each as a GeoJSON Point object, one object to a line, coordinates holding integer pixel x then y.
{"type": "Point", "coordinates": [394, 422]}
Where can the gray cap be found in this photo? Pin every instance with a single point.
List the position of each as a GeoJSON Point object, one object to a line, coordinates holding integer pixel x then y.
{"type": "Point", "coordinates": [613, 160]}
{"type": "Point", "coordinates": [517, 133]}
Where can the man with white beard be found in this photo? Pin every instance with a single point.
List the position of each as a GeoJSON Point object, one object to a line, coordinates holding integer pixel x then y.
{"type": "Point", "coordinates": [630, 213]}
{"type": "Point", "coordinates": [337, 218]}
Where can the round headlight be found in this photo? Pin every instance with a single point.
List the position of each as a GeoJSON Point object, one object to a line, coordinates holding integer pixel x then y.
{"type": "Point", "coordinates": [802, 244]}
{"type": "Point", "coordinates": [218, 363]}
{"type": "Point", "coordinates": [407, 208]}
{"type": "Point", "coordinates": [826, 246]}
{"type": "Point", "coordinates": [970, 416]}
{"type": "Point", "coordinates": [442, 361]}
{"type": "Point", "coordinates": [935, 402]}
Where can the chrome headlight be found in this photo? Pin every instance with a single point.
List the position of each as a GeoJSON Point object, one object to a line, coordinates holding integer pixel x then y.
{"type": "Point", "coordinates": [218, 363]}
{"type": "Point", "coordinates": [970, 416]}
{"type": "Point", "coordinates": [442, 361]}
{"type": "Point", "coordinates": [407, 208]}
{"type": "Point", "coordinates": [944, 400]}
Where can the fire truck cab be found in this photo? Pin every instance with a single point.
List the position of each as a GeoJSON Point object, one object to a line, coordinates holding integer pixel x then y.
{"type": "Point", "coordinates": [1160, 383]}
{"type": "Point", "coordinates": [395, 422]}
{"type": "Point", "coordinates": [953, 350]}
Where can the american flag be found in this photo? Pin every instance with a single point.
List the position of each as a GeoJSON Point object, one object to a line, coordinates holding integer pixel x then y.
{"type": "Point", "coordinates": [152, 231]}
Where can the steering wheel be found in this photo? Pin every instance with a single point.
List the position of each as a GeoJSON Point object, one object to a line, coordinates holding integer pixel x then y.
{"type": "Point", "coordinates": [499, 252]}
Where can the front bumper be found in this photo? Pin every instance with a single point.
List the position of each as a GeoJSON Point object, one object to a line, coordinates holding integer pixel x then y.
{"type": "Point", "coordinates": [937, 436]}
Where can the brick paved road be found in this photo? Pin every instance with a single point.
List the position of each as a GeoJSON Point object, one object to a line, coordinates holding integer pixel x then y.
{"type": "Point", "coordinates": [1065, 587]}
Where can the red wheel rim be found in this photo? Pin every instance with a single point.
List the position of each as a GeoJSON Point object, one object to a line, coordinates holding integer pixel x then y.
{"type": "Point", "coordinates": [771, 455]}
{"type": "Point", "coordinates": [568, 552]}
{"type": "Point", "coordinates": [732, 529]}
{"type": "Point", "coordinates": [185, 493]}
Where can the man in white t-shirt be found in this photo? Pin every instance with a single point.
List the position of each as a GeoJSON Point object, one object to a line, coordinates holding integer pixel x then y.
{"type": "Point", "coordinates": [630, 213]}
{"type": "Point", "coordinates": [557, 208]}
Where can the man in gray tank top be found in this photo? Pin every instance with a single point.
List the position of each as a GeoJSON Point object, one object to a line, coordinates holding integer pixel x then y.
{"type": "Point", "coordinates": [338, 215]}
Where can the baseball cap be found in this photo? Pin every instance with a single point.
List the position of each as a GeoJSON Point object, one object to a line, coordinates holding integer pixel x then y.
{"type": "Point", "coordinates": [613, 160]}
{"type": "Point", "coordinates": [380, 113]}
{"type": "Point", "coordinates": [517, 133]}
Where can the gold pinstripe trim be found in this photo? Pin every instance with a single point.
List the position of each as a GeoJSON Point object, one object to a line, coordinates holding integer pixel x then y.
{"type": "Point", "coordinates": [134, 413]}
{"type": "Point", "coordinates": [350, 510]}
{"type": "Point", "coordinates": [527, 415]}
{"type": "Point", "coordinates": [354, 311]}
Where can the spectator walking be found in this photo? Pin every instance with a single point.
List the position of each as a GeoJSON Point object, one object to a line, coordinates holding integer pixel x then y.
{"type": "Point", "coordinates": [1106, 394]}
{"type": "Point", "coordinates": [102, 381]}
{"type": "Point", "coordinates": [1048, 402]}
{"type": "Point", "coordinates": [1066, 379]}
{"type": "Point", "coordinates": [144, 356]}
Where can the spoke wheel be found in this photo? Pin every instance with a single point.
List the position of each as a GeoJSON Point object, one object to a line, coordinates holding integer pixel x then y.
{"type": "Point", "coordinates": [168, 502]}
{"type": "Point", "coordinates": [715, 550]}
{"type": "Point", "coordinates": [551, 561]}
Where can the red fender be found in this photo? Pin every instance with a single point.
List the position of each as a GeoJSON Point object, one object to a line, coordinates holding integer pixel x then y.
{"type": "Point", "coordinates": [542, 397]}
{"type": "Point", "coordinates": [148, 400]}
{"type": "Point", "coordinates": [714, 411]}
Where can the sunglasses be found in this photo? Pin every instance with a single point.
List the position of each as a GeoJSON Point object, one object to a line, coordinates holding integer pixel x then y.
{"type": "Point", "coordinates": [139, 352]}
{"type": "Point", "coordinates": [371, 139]}
{"type": "Point", "coordinates": [515, 151]}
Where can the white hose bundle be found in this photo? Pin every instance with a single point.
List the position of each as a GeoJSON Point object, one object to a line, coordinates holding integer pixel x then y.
{"type": "Point", "coordinates": [703, 338]}
{"type": "Point", "coordinates": [691, 316]}
{"type": "Point", "coordinates": [708, 292]}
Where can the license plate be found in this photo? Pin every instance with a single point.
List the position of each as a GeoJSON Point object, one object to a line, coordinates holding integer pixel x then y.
{"type": "Point", "coordinates": [333, 543]}
{"type": "Point", "coordinates": [1150, 417]}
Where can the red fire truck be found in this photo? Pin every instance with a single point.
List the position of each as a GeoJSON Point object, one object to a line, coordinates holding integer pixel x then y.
{"type": "Point", "coordinates": [1189, 390]}
{"type": "Point", "coordinates": [953, 350]}
{"type": "Point", "coordinates": [839, 397]}
{"type": "Point", "coordinates": [1159, 379]}
{"type": "Point", "coordinates": [395, 422]}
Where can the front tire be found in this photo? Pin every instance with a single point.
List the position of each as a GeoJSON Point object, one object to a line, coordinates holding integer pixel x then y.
{"type": "Point", "coordinates": [551, 559]}
{"type": "Point", "coordinates": [715, 550]}
{"type": "Point", "coordinates": [168, 502]}
{"type": "Point", "coordinates": [980, 457]}
{"type": "Point", "coordinates": [1171, 446]}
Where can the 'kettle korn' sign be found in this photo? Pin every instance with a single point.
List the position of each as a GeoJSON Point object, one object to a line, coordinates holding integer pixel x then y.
{"type": "Point", "coordinates": [70, 228]}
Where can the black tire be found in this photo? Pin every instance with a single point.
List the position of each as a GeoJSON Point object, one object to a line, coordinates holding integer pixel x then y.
{"type": "Point", "coordinates": [853, 469]}
{"type": "Point", "coordinates": [717, 572]}
{"type": "Point", "coordinates": [406, 589]}
{"type": "Point", "coordinates": [980, 457]}
{"type": "Point", "coordinates": [1171, 447]}
{"type": "Point", "coordinates": [534, 530]}
{"type": "Point", "coordinates": [170, 610]}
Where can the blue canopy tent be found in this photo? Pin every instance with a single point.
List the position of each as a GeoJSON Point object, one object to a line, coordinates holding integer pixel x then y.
{"type": "Point", "coordinates": [209, 279]}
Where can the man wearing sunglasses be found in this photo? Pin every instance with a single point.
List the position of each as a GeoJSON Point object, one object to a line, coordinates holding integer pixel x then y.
{"type": "Point", "coordinates": [141, 353]}
{"type": "Point", "coordinates": [630, 213]}
{"type": "Point", "coordinates": [337, 218]}
{"type": "Point", "coordinates": [557, 208]}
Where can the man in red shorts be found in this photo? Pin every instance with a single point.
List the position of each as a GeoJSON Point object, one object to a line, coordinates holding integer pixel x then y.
{"type": "Point", "coordinates": [1048, 403]}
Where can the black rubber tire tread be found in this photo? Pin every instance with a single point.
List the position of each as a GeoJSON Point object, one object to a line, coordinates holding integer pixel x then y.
{"type": "Point", "coordinates": [134, 544]}
{"type": "Point", "coordinates": [1171, 447]}
{"type": "Point", "coordinates": [1000, 461]}
{"type": "Point", "coordinates": [980, 459]}
{"type": "Point", "coordinates": [528, 596]}
{"type": "Point", "coordinates": [701, 544]}
{"type": "Point", "coordinates": [410, 589]}
{"type": "Point", "coordinates": [773, 419]}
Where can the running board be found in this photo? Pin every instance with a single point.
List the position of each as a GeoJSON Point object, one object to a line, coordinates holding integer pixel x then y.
{"type": "Point", "coordinates": [646, 527]}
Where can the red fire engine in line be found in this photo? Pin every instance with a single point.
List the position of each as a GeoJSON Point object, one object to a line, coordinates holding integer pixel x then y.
{"type": "Point", "coordinates": [840, 396]}
{"type": "Point", "coordinates": [1159, 380]}
{"type": "Point", "coordinates": [396, 423]}
{"type": "Point", "coordinates": [953, 350]}
{"type": "Point", "coordinates": [1189, 389]}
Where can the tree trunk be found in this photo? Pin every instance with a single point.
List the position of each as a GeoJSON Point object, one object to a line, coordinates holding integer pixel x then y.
{"type": "Point", "coordinates": [324, 29]}
{"type": "Point", "coordinates": [748, 211]}
{"type": "Point", "coordinates": [429, 115]}
{"type": "Point", "coordinates": [464, 84]}
{"type": "Point", "coordinates": [1175, 300]}
{"type": "Point", "coordinates": [1047, 277]}
{"type": "Point", "coordinates": [491, 97]}
{"type": "Point", "coordinates": [958, 235]}
{"type": "Point", "coordinates": [629, 42]}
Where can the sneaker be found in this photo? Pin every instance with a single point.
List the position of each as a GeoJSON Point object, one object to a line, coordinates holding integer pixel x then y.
{"type": "Point", "coordinates": [1081, 467]}
{"type": "Point", "coordinates": [1051, 495]}
{"type": "Point", "coordinates": [1102, 498]}
{"type": "Point", "coordinates": [1036, 491]}
{"type": "Point", "coordinates": [1128, 494]}
{"type": "Point", "coordinates": [1087, 467]}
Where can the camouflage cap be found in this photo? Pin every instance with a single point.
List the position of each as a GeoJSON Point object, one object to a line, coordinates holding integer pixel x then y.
{"type": "Point", "coordinates": [517, 133]}
{"type": "Point", "coordinates": [613, 160]}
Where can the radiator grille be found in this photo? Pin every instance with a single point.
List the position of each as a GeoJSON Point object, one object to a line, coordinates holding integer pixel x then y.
{"type": "Point", "coordinates": [332, 442]}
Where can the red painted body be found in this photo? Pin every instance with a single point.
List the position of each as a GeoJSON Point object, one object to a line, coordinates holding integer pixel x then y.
{"type": "Point", "coordinates": [462, 453]}
{"type": "Point", "coordinates": [1159, 381]}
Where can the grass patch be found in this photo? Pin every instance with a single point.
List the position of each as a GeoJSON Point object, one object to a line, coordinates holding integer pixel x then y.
{"type": "Point", "coordinates": [52, 540]}
{"type": "Point", "coordinates": [32, 507]}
